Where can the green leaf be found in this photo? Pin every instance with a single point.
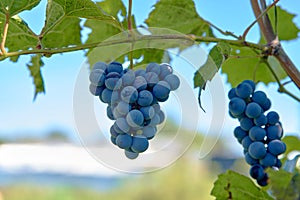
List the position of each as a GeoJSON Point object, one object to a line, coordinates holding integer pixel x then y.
{"type": "Point", "coordinates": [284, 185]}
{"type": "Point", "coordinates": [232, 185]}
{"type": "Point", "coordinates": [12, 8]}
{"type": "Point", "coordinates": [216, 57]}
{"type": "Point", "coordinates": [247, 63]}
{"type": "Point", "coordinates": [20, 36]}
{"type": "Point", "coordinates": [180, 15]}
{"type": "Point", "coordinates": [292, 144]}
{"type": "Point", "coordinates": [35, 72]}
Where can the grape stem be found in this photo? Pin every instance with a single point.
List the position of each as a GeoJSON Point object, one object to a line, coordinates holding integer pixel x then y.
{"type": "Point", "coordinates": [271, 38]}
{"type": "Point", "coordinates": [130, 32]}
{"type": "Point", "coordinates": [5, 30]}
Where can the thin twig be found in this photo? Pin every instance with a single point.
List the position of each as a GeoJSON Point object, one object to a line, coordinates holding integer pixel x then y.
{"type": "Point", "coordinates": [226, 33]}
{"type": "Point", "coordinates": [258, 18]}
{"type": "Point", "coordinates": [5, 30]}
{"type": "Point", "coordinates": [131, 32]}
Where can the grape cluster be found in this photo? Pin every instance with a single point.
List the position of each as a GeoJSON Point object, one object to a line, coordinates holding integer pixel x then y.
{"type": "Point", "coordinates": [259, 133]}
{"type": "Point", "coordinates": [133, 101]}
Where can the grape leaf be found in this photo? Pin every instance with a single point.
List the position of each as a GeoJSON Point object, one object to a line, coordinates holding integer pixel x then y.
{"type": "Point", "coordinates": [19, 37]}
{"type": "Point", "coordinates": [216, 57]}
{"type": "Point", "coordinates": [180, 15]}
{"type": "Point", "coordinates": [247, 62]}
{"type": "Point", "coordinates": [284, 185]}
{"type": "Point", "coordinates": [35, 71]}
{"type": "Point", "coordinates": [232, 185]}
{"type": "Point", "coordinates": [14, 7]}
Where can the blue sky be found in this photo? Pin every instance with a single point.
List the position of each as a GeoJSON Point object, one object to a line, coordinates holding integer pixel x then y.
{"type": "Point", "coordinates": [54, 110]}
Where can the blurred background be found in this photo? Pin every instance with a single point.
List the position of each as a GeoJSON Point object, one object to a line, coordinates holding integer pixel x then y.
{"type": "Point", "coordinates": [41, 154]}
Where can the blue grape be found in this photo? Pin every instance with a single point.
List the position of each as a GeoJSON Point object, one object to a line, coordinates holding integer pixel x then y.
{"type": "Point", "coordinates": [153, 67]}
{"type": "Point", "coordinates": [267, 105]}
{"type": "Point", "coordinates": [161, 90]}
{"type": "Point", "coordinates": [251, 83]}
{"type": "Point", "coordinates": [135, 118]}
{"type": "Point", "coordinates": [273, 118]}
{"type": "Point", "coordinates": [257, 172]}
{"type": "Point", "coordinates": [123, 107]}
{"type": "Point", "coordinates": [116, 113]}
{"type": "Point", "coordinates": [149, 131]}
{"type": "Point", "coordinates": [117, 129]}
{"type": "Point", "coordinates": [113, 132]}
{"type": "Point", "coordinates": [124, 141]}
{"type": "Point", "coordinates": [130, 154]}
{"type": "Point", "coordinates": [113, 140]}
{"type": "Point", "coordinates": [155, 120]}
{"type": "Point", "coordinates": [156, 107]}
{"type": "Point", "coordinates": [151, 78]}
{"type": "Point", "coordinates": [140, 83]}
{"type": "Point", "coordinates": [139, 144]}
{"type": "Point", "coordinates": [122, 124]}
{"type": "Point", "coordinates": [260, 120]}
{"type": "Point", "coordinates": [109, 113]}
{"type": "Point", "coordinates": [100, 65]}
{"type": "Point", "coordinates": [244, 90]}
{"type": "Point", "coordinates": [111, 80]}
{"type": "Point", "coordinates": [259, 97]}
{"type": "Point", "coordinates": [128, 78]}
{"type": "Point", "coordinates": [161, 115]}
{"type": "Point", "coordinates": [145, 98]}
{"type": "Point", "coordinates": [232, 93]}
{"type": "Point", "coordinates": [237, 106]}
{"type": "Point", "coordinates": [246, 142]}
{"type": "Point", "coordinates": [257, 150]}
{"type": "Point", "coordinates": [115, 98]}
{"type": "Point", "coordinates": [276, 147]}
{"type": "Point", "coordinates": [263, 181]}
{"type": "Point", "coordinates": [246, 123]}
{"type": "Point", "coordinates": [97, 77]}
{"type": "Point", "coordinates": [165, 70]}
{"type": "Point", "coordinates": [268, 161]}
{"type": "Point", "coordinates": [96, 90]}
{"type": "Point", "coordinates": [140, 72]}
{"type": "Point", "coordinates": [115, 67]}
{"type": "Point", "coordinates": [148, 112]}
{"type": "Point", "coordinates": [274, 132]}
{"type": "Point", "coordinates": [250, 160]}
{"type": "Point", "coordinates": [173, 81]}
{"type": "Point", "coordinates": [239, 133]}
{"type": "Point", "coordinates": [257, 133]}
{"type": "Point", "coordinates": [106, 96]}
{"type": "Point", "coordinates": [278, 163]}
{"type": "Point", "coordinates": [129, 94]}
{"type": "Point", "coordinates": [253, 110]}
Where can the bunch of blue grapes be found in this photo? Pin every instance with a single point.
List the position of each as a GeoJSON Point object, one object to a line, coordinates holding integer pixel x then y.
{"type": "Point", "coordinates": [259, 133]}
{"type": "Point", "coordinates": [133, 101]}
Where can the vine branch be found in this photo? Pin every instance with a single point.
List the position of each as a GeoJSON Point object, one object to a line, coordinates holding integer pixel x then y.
{"type": "Point", "coordinates": [5, 31]}
{"type": "Point", "coordinates": [131, 32]}
{"type": "Point", "coordinates": [267, 31]}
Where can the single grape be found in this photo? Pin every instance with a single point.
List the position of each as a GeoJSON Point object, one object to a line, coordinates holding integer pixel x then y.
{"type": "Point", "coordinates": [124, 141]}
{"type": "Point", "coordinates": [155, 120]}
{"type": "Point", "coordinates": [257, 172]}
{"type": "Point", "coordinates": [129, 94]}
{"type": "Point", "coordinates": [135, 118]}
{"type": "Point", "coordinates": [273, 118]}
{"type": "Point", "coordinates": [128, 78]}
{"type": "Point", "coordinates": [113, 140]}
{"type": "Point", "coordinates": [122, 124]}
{"type": "Point", "coordinates": [276, 147]}
{"type": "Point", "coordinates": [96, 90]}
{"type": "Point", "coordinates": [232, 93]}
{"type": "Point", "coordinates": [148, 112]}
{"type": "Point", "coordinates": [246, 142]}
{"type": "Point", "coordinates": [109, 113]}
{"type": "Point", "coordinates": [153, 67]}
{"type": "Point", "coordinates": [173, 81]}
{"type": "Point", "coordinates": [267, 105]}
{"type": "Point", "coordinates": [251, 83]}
{"type": "Point", "coordinates": [274, 132]}
{"type": "Point", "coordinates": [117, 129]}
{"type": "Point", "coordinates": [263, 181]}
{"type": "Point", "coordinates": [100, 65]}
{"type": "Point", "coordinates": [246, 123]}
{"type": "Point", "coordinates": [165, 70]}
{"type": "Point", "coordinates": [114, 67]}
{"type": "Point", "coordinates": [259, 97]}
{"type": "Point", "coordinates": [106, 96]}
{"type": "Point", "coordinates": [140, 72]}
{"type": "Point", "coordinates": [130, 154]}
{"type": "Point", "coordinates": [237, 106]}
{"type": "Point", "coordinates": [123, 107]}
{"type": "Point", "coordinates": [111, 80]}
{"type": "Point", "coordinates": [239, 133]}
{"type": "Point", "coordinates": [140, 83]}
{"type": "Point", "coordinates": [151, 78]}
{"type": "Point", "coordinates": [149, 132]}
{"type": "Point", "coordinates": [113, 132]}
{"type": "Point", "coordinates": [244, 90]}
{"type": "Point", "coordinates": [161, 90]}
{"type": "Point", "coordinates": [257, 133]}
{"type": "Point", "coordinates": [250, 160]}
{"type": "Point", "coordinates": [253, 110]}
{"type": "Point", "coordinates": [161, 115]}
{"type": "Point", "coordinates": [145, 98]}
{"type": "Point", "coordinates": [268, 161]}
{"type": "Point", "coordinates": [116, 113]}
{"type": "Point", "coordinates": [115, 98]}
{"type": "Point", "coordinates": [257, 150]}
{"type": "Point", "coordinates": [260, 120]}
{"type": "Point", "coordinates": [97, 77]}
{"type": "Point", "coordinates": [278, 164]}
{"type": "Point", "coordinates": [139, 144]}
